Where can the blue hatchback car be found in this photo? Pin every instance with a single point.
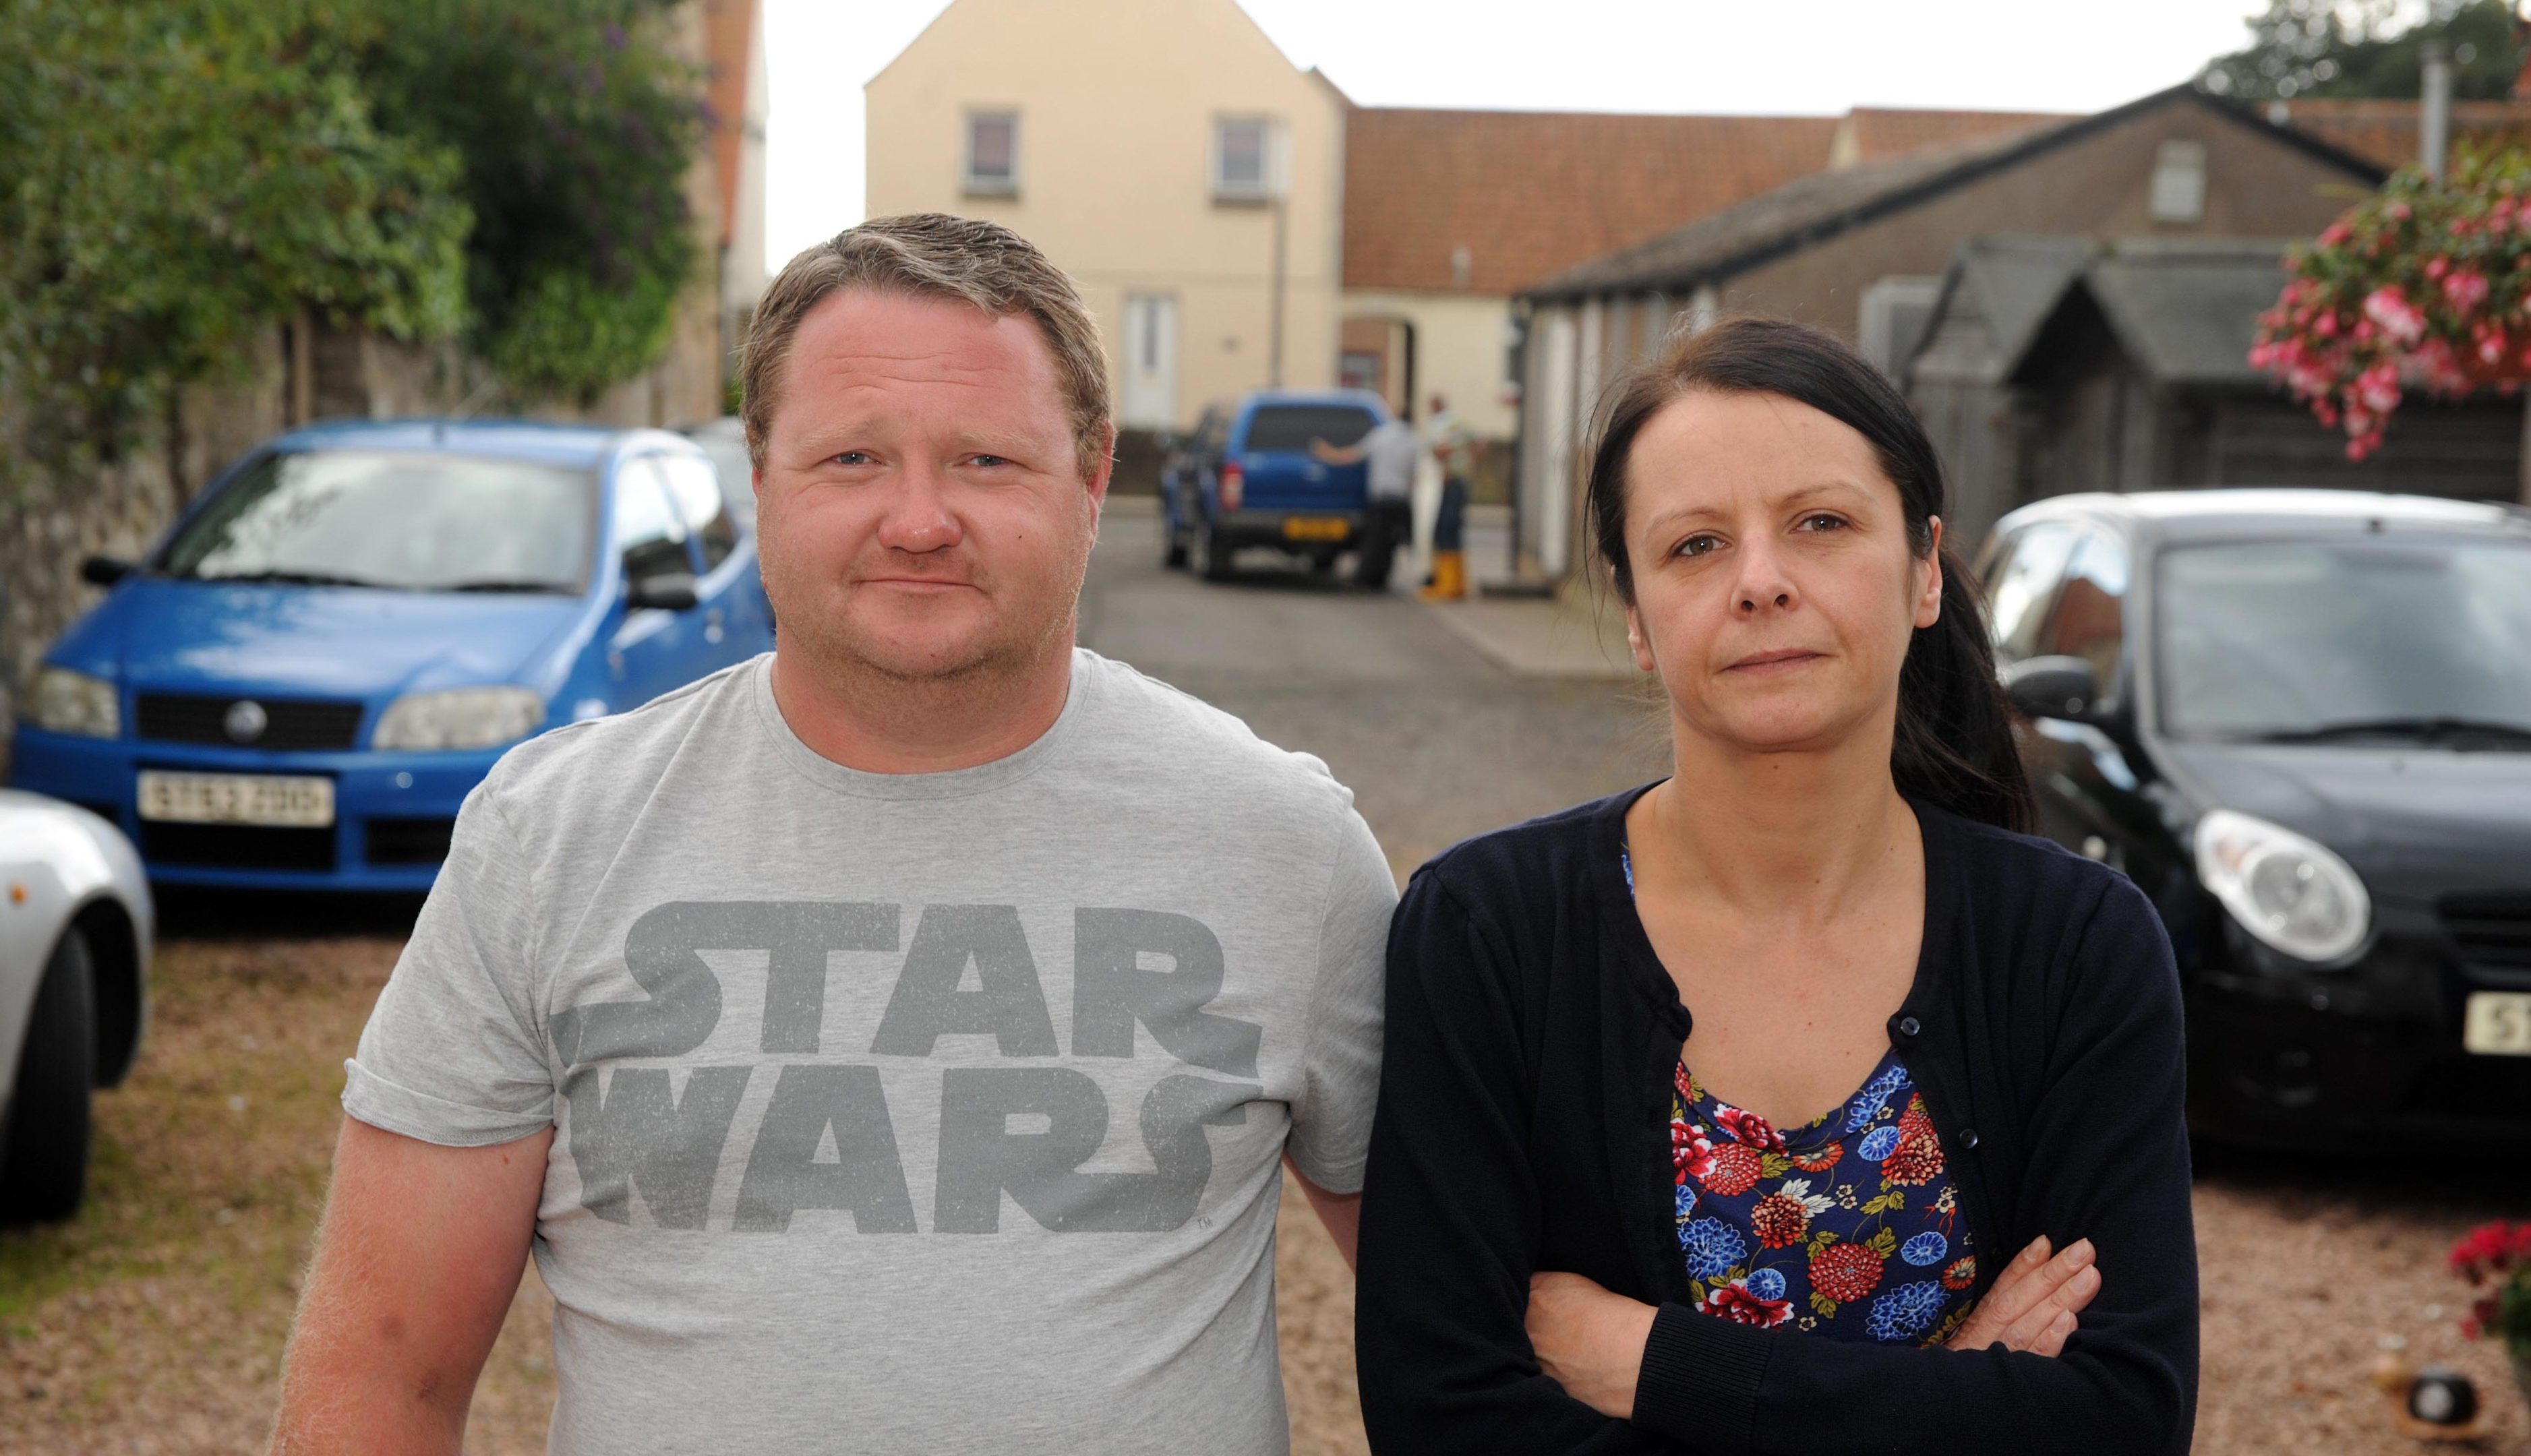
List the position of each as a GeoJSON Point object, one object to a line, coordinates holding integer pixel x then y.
{"type": "Point", "coordinates": [299, 685]}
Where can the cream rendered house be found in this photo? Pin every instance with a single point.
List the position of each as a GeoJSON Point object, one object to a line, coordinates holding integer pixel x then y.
{"type": "Point", "coordinates": [1163, 153]}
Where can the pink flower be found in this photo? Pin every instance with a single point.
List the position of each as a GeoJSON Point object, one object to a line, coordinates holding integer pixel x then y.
{"type": "Point", "coordinates": [2326, 325]}
{"type": "Point", "coordinates": [2397, 317]}
{"type": "Point", "coordinates": [2334, 234]}
{"type": "Point", "coordinates": [2436, 267]}
{"type": "Point", "coordinates": [2466, 289]}
{"type": "Point", "coordinates": [2377, 388]}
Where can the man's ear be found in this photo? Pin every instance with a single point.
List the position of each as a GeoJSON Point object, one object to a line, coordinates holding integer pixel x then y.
{"type": "Point", "coordinates": [1106, 469]}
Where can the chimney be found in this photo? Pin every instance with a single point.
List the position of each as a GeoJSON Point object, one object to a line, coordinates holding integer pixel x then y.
{"type": "Point", "coordinates": [2435, 121]}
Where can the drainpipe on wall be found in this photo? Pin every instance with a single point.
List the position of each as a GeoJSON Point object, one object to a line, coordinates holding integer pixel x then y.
{"type": "Point", "coordinates": [1274, 325]}
{"type": "Point", "coordinates": [2434, 128]}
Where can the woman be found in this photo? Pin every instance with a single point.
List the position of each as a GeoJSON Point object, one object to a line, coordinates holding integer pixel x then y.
{"type": "Point", "coordinates": [1709, 1108]}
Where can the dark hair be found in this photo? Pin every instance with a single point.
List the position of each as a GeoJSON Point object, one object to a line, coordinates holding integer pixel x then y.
{"type": "Point", "coordinates": [1953, 745]}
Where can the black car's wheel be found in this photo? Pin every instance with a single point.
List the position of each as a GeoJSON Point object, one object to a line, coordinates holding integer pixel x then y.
{"type": "Point", "coordinates": [1211, 556]}
{"type": "Point", "coordinates": [44, 1136]}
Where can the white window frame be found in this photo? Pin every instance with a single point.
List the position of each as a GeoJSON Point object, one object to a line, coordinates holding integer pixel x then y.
{"type": "Point", "coordinates": [2178, 190]}
{"type": "Point", "coordinates": [987, 187]}
{"type": "Point", "coordinates": [1270, 184]}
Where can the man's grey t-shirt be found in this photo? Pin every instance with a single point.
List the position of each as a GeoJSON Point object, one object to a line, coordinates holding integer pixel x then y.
{"type": "Point", "coordinates": [922, 1113]}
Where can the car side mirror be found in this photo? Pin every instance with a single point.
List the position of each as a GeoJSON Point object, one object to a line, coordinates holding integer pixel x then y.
{"type": "Point", "coordinates": [672, 591]}
{"type": "Point", "coordinates": [104, 570]}
{"type": "Point", "coordinates": [2052, 688]}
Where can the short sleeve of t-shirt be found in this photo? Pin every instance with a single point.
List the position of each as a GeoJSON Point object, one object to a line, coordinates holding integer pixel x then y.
{"type": "Point", "coordinates": [1341, 1067]}
{"type": "Point", "coordinates": [452, 1054]}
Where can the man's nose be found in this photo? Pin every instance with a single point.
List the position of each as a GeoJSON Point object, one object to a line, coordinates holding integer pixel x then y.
{"type": "Point", "coordinates": [1764, 582]}
{"type": "Point", "coordinates": [918, 518]}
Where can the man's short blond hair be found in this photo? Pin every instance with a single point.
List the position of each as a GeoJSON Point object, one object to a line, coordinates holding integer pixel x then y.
{"type": "Point", "coordinates": [932, 254]}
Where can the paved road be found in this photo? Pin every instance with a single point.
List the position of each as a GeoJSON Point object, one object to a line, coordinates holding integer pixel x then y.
{"type": "Point", "coordinates": [1437, 742]}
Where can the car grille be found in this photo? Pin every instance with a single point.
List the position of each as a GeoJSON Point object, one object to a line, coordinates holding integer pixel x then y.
{"type": "Point", "coordinates": [237, 846]}
{"type": "Point", "coordinates": [410, 841]}
{"type": "Point", "coordinates": [289, 724]}
{"type": "Point", "coordinates": [2491, 929]}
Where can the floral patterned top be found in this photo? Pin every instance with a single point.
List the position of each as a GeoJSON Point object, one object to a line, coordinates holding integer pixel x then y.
{"type": "Point", "coordinates": [1847, 1227]}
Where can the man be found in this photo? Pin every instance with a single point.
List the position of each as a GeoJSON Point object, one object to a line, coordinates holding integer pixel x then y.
{"type": "Point", "coordinates": [1389, 518]}
{"type": "Point", "coordinates": [887, 1045]}
{"type": "Point", "coordinates": [1455, 447]}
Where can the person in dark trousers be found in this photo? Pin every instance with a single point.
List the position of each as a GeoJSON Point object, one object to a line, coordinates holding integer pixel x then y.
{"type": "Point", "coordinates": [1388, 515]}
{"type": "Point", "coordinates": [1796, 1102]}
{"type": "Point", "coordinates": [1455, 448]}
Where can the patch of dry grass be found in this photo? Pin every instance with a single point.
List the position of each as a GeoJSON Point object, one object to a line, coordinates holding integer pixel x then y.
{"type": "Point", "coordinates": [155, 1321]}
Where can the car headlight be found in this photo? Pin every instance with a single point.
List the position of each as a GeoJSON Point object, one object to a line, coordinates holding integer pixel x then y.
{"type": "Point", "coordinates": [459, 718]}
{"type": "Point", "coordinates": [60, 701]}
{"type": "Point", "coordinates": [2287, 890]}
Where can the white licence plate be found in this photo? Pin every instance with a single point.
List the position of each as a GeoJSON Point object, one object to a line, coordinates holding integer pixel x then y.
{"type": "Point", "coordinates": [295, 800]}
{"type": "Point", "coordinates": [2498, 1024]}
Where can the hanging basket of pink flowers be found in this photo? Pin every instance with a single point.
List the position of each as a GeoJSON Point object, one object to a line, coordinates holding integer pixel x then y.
{"type": "Point", "coordinates": [2422, 286]}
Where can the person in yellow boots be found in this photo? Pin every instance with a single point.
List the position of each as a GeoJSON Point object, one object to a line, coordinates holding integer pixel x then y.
{"type": "Point", "coordinates": [1455, 448]}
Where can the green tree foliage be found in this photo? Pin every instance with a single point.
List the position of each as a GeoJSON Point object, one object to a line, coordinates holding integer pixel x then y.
{"type": "Point", "coordinates": [576, 125]}
{"type": "Point", "coordinates": [2369, 48]}
{"type": "Point", "coordinates": [177, 175]}
{"type": "Point", "coordinates": [173, 177]}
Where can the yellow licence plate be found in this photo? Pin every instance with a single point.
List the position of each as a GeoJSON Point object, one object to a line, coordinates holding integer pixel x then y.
{"type": "Point", "coordinates": [298, 801]}
{"type": "Point", "coordinates": [1316, 527]}
{"type": "Point", "coordinates": [2498, 1024]}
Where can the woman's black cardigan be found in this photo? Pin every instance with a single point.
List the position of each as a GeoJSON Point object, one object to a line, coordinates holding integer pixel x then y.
{"type": "Point", "coordinates": [1524, 1126]}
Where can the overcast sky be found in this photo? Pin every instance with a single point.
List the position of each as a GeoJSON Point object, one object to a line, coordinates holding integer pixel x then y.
{"type": "Point", "coordinates": [1817, 57]}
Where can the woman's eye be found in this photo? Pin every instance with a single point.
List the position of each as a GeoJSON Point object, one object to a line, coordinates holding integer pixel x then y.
{"type": "Point", "coordinates": [1824, 522]}
{"type": "Point", "coordinates": [1698, 545]}
{"type": "Point", "coordinates": [853, 456]}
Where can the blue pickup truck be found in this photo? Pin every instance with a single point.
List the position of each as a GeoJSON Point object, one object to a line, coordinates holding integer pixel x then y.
{"type": "Point", "coordinates": [1248, 477]}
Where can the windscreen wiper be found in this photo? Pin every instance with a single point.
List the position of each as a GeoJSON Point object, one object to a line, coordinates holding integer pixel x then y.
{"type": "Point", "coordinates": [288, 579]}
{"type": "Point", "coordinates": [503, 583]}
{"type": "Point", "coordinates": [2421, 727]}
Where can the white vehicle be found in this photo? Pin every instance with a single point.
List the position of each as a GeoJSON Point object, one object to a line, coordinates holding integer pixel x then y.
{"type": "Point", "coordinates": [75, 930]}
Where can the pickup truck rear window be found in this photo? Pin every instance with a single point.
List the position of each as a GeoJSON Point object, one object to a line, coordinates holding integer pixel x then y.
{"type": "Point", "coordinates": [1293, 427]}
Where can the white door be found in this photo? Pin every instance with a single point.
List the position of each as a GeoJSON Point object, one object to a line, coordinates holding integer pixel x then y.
{"type": "Point", "coordinates": [1151, 362]}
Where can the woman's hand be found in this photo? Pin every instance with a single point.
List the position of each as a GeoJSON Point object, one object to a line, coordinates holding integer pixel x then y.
{"type": "Point", "coordinates": [2032, 1305]}
{"type": "Point", "coordinates": [1588, 1340]}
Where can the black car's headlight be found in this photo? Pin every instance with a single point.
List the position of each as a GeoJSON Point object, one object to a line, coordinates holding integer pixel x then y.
{"type": "Point", "coordinates": [459, 718]}
{"type": "Point", "coordinates": [60, 701]}
{"type": "Point", "coordinates": [2288, 890]}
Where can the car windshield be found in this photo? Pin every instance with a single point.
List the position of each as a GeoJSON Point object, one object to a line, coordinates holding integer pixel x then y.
{"type": "Point", "coordinates": [406, 522]}
{"type": "Point", "coordinates": [2376, 636]}
{"type": "Point", "coordinates": [1293, 427]}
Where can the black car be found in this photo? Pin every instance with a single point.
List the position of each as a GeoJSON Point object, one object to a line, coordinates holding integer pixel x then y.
{"type": "Point", "coordinates": [2301, 721]}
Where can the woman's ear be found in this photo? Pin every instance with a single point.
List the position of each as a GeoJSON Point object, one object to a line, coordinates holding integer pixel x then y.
{"type": "Point", "coordinates": [1641, 643]}
{"type": "Point", "coordinates": [1929, 596]}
